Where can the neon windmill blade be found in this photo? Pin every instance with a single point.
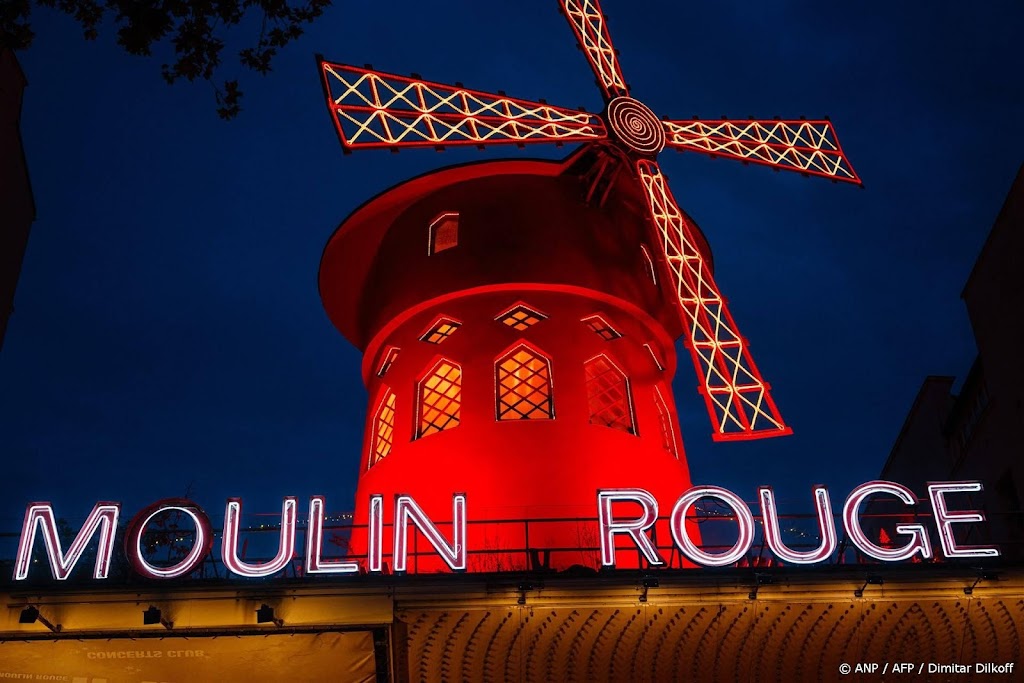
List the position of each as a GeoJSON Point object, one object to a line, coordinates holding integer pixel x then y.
{"type": "Point", "coordinates": [376, 109]}
{"type": "Point", "coordinates": [591, 29]}
{"type": "Point", "coordinates": [737, 398]}
{"type": "Point", "coordinates": [809, 147]}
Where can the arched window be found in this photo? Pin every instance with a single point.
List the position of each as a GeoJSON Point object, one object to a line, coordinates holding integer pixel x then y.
{"type": "Point", "coordinates": [608, 395]}
{"type": "Point", "coordinates": [668, 433]}
{"type": "Point", "coordinates": [523, 391]}
{"type": "Point", "coordinates": [440, 398]}
{"type": "Point", "coordinates": [650, 264]}
{"type": "Point", "coordinates": [444, 233]}
{"type": "Point", "coordinates": [383, 428]}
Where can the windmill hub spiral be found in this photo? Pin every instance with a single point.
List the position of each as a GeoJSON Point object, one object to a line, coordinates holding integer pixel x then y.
{"type": "Point", "coordinates": [635, 125]}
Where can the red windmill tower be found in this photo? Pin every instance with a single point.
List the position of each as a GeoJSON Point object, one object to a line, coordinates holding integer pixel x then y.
{"type": "Point", "coordinates": [517, 317]}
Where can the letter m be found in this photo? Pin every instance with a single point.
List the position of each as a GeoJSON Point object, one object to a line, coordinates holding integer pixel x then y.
{"type": "Point", "coordinates": [103, 518]}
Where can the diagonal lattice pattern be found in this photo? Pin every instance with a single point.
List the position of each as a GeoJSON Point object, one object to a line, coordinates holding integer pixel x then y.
{"type": "Point", "coordinates": [384, 428]}
{"type": "Point", "coordinates": [737, 398]}
{"type": "Point", "coordinates": [524, 386]}
{"type": "Point", "coordinates": [591, 29]}
{"type": "Point", "coordinates": [440, 398]}
{"type": "Point", "coordinates": [521, 317]}
{"type": "Point", "coordinates": [806, 146]}
{"type": "Point", "coordinates": [608, 395]}
{"type": "Point", "coordinates": [373, 109]}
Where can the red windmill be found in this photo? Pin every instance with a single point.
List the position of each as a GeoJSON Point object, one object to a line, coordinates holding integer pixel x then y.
{"type": "Point", "coordinates": [371, 109]}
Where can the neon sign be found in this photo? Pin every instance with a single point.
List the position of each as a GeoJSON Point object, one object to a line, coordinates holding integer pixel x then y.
{"type": "Point", "coordinates": [41, 523]}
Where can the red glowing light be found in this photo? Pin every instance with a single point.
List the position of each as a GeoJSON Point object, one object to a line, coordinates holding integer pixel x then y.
{"type": "Point", "coordinates": [375, 109]}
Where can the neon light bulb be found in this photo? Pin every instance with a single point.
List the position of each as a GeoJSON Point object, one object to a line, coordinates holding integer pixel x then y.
{"type": "Point", "coordinates": [919, 542]}
{"type": "Point", "coordinates": [103, 518]}
{"type": "Point", "coordinates": [315, 564]}
{"type": "Point", "coordinates": [634, 528]}
{"type": "Point", "coordinates": [375, 530]}
{"type": "Point", "coordinates": [201, 546]}
{"type": "Point", "coordinates": [229, 544]}
{"type": "Point", "coordinates": [944, 519]}
{"type": "Point", "coordinates": [773, 534]}
{"type": "Point", "coordinates": [407, 510]}
{"type": "Point", "coordinates": [744, 520]}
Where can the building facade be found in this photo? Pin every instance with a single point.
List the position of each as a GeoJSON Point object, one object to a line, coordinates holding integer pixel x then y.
{"type": "Point", "coordinates": [16, 206]}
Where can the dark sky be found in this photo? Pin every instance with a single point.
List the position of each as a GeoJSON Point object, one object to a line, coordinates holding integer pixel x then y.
{"type": "Point", "coordinates": [168, 334]}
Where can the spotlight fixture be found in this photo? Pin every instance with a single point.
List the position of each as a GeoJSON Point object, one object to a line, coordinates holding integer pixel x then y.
{"type": "Point", "coordinates": [983, 576]}
{"type": "Point", "coordinates": [153, 615]}
{"type": "Point", "coordinates": [870, 581]}
{"type": "Point", "coordinates": [265, 615]}
{"type": "Point", "coordinates": [31, 615]}
{"type": "Point", "coordinates": [648, 582]}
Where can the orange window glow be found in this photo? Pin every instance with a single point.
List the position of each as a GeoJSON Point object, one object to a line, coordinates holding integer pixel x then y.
{"type": "Point", "coordinates": [383, 428]}
{"type": "Point", "coordinates": [440, 330]}
{"type": "Point", "coordinates": [440, 398]}
{"type": "Point", "coordinates": [521, 317]}
{"type": "Point", "coordinates": [524, 386]}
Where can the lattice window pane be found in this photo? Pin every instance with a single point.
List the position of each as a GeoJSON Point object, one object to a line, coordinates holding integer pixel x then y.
{"type": "Point", "coordinates": [389, 357]}
{"type": "Point", "coordinates": [601, 327]}
{"type": "Point", "coordinates": [668, 435]}
{"type": "Point", "coordinates": [444, 232]}
{"type": "Point", "coordinates": [524, 386]}
{"type": "Point", "coordinates": [384, 429]}
{"type": "Point", "coordinates": [440, 398]}
{"type": "Point", "coordinates": [441, 330]}
{"type": "Point", "coordinates": [521, 317]}
{"type": "Point", "coordinates": [608, 396]}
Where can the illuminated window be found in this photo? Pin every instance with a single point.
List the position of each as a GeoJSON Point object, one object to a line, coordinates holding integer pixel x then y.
{"type": "Point", "coordinates": [524, 386]}
{"type": "Point", "coordinates": [521, 317]}
{"type": "Point", "coordinates": [608, 395]}
{"type": "Point", "coordinates": [389, 357]}
{"type": "Point", "coordinates": [440, 330]}
{"type": "Point", "coordinates": [654, 356]}
{"type": "Point", "coordinates": [444, 233]}
{"type": "Point", "coordinates": [668, 434]}
{"type": "Point", "coordinates": [440, 398]}
{"type": "Point", "coordinates": [383, 428]}
{"type": "Point", "coordinates": [650, 264]}
{"type": "Point", "coordinates": [601, 327]}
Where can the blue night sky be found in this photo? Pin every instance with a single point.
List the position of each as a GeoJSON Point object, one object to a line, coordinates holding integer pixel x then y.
{"type": "Point", "coordinates": [168, 334]}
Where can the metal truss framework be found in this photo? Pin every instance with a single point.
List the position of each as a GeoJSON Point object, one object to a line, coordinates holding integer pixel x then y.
{"type": "Point", "coordinates": [375, 109]}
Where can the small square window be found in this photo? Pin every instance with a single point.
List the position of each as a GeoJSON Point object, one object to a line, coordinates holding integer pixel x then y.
{"type": "Point", "coordinates": [441, 330]}
{"type": "Point", "coordinates": [389, 357]}
{"type": "Point", "coordinates": [444, 233]}
{"type": "Point", "coordinates": [521, 317]}
{"type": "Point", "coordinates": [601, 327]}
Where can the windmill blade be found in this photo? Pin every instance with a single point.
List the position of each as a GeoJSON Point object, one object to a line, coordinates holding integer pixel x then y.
{"type": "Point", "coordinates": [591, 29]}
{"type": "Point", "coordinates": [738, 399]}
{"type": "Point", "coordinates": [375, 109]}
{"type": "Point", "coordinates": [809, 147]}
